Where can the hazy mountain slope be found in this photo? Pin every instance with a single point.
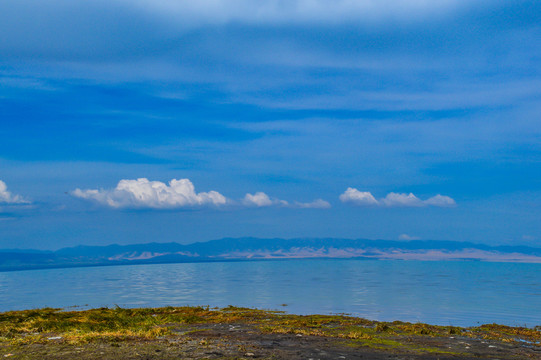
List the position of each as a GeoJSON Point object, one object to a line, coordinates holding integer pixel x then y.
{"type": "Point", "coordinates": [254, 248]}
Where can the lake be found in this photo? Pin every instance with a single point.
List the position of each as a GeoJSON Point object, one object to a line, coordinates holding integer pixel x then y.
{"type": "Point", "coordinates": [443, 293]}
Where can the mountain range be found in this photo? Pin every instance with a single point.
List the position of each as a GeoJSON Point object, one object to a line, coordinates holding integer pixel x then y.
{"type": "Point", "coordinates": [244, 249]}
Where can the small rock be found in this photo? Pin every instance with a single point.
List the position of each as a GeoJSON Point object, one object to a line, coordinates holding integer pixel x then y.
{"type": "Point", "coordinates": [249, 354]}
{"type": "Point", "coordinates": [54, 338]}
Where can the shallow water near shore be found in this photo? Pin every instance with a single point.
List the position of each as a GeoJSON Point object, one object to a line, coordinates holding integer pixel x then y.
{"type": "Point", "coordinates": [442, 293]}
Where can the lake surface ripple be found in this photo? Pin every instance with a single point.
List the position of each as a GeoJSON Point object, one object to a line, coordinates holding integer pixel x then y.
{"type": "Point", "coordinates": [444, 293]}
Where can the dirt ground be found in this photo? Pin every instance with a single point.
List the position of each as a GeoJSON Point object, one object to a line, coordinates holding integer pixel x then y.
{"type": "Point", "coordinates": [246, 341]}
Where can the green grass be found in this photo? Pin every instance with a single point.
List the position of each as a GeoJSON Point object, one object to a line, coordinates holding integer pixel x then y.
{"type": "Point", "coordinates": [120, 324]}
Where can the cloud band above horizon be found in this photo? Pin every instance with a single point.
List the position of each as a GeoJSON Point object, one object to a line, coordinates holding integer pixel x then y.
{"type": "Point", "coordinates": [364, 198]}
{"type": "Point", "coordinates": [145, 194]}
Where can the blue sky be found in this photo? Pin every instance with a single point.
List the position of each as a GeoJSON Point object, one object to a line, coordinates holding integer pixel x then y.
{"type": "Point", "coordinates": [359, 119]}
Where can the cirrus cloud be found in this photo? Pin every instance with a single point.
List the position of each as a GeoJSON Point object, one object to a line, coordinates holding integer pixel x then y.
{"type": "Point", "coordinates": [277, 11]}
{"type": "Point", "coordinates": [365, 198]}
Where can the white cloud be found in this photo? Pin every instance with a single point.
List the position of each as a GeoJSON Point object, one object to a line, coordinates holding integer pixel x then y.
{"type": "Point", "coordinates": [365, 198]}
{"type": "Point", "coordinates": [260, 199]}
{"type": "Point", "coordinates": [8, 198]}
{"type": "Point", "coordinates": [360, 198]}
{"type": "Point", "coordinates": [408, 237]}
{"type": "Point", "coordinates": [316, 204]}
{"type": "Point", "coordinates": [142, 193]}
{"type": "Point", "coordinates": [441, 201]}
{"type": "Point", "coordinates": [401, 200]}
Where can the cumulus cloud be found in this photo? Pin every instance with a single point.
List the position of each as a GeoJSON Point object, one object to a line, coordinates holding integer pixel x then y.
{"type": "Point", "coordinates": [365, 198]}
{"type": "Point", "coordinates": [401, 200]}
{"type": "Point", "coordinates": [142, 193]}
{"type": "Point", "coordinates": [260, 199]}
{"type": "Point", "coordinates": [356, 197]}
{"type": "Point", "coordinates": [8, 198]}
{"type": "Point", "coordinates": [441, 201]}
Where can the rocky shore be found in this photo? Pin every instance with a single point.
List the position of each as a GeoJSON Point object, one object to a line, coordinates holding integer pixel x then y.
{"type": "Point", "coordinates": [240, 333]}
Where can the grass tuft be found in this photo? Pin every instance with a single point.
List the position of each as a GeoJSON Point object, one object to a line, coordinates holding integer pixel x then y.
{"type": "Point", "coordinates": [118, 324]}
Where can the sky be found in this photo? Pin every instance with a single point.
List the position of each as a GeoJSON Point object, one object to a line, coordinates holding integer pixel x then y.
{"type": "Point", "coordinates": [159, 120]}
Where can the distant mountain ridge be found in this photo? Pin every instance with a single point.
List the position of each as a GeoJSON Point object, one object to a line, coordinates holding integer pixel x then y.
{"type": "Point", "coordinates": [248, 248]}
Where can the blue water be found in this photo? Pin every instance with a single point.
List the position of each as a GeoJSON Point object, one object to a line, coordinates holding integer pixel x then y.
{"type": "Point", "coordinates": [446, 293]}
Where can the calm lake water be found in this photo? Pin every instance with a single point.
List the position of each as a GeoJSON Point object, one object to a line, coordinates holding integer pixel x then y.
{"type": "Point", "coordinates": [446, 293]}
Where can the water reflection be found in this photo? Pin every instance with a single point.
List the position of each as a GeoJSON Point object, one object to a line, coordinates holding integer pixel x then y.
{"type": "Point", "coordinates": [448, 293]}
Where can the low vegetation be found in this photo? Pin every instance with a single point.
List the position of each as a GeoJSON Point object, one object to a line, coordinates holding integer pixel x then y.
{"type": "Point", "coordinates": [117, 325]}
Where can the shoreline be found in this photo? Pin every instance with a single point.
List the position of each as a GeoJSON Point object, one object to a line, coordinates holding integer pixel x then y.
{"type": "Point", "coordinates": [7, 269]}
{"type": "Point", "coordinates": [233, 332]}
